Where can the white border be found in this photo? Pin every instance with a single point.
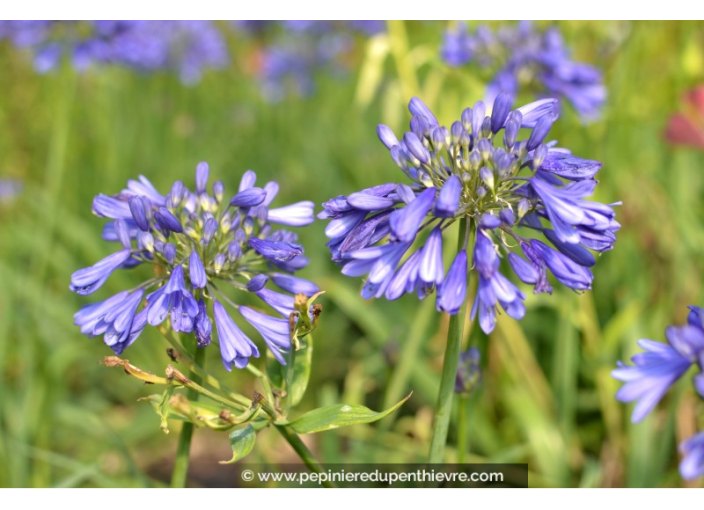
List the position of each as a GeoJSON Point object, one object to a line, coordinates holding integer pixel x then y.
{"type": "Point", "coordinates": [360, 9]}
{"type": "Point", "coordinates": [544, 499]}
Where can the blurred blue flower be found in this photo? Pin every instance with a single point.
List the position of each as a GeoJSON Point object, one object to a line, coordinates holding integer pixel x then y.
{"type": "Point", "coordinates": [471, 171]}
{"type": "Point", "coordinates": [9, 189]}
{"type": "Point", "coordinates": [186, 47]}
{"type": "Point", "coordinates": [520, 53]}
{"type": "Point", "coordinates": [197, 243]}
{"type": "Point", "coordinates": [692, 466]}
{"type": "Point", "coordinates": [294, 50]}
{"type": "Point", "coordinates": [469, 372]}
{"type": "Point", "coordinates": [653, 373]}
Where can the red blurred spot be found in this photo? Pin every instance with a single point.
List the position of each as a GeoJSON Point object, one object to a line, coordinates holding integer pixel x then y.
{"type": "Point", "coordinates": [687, 127]}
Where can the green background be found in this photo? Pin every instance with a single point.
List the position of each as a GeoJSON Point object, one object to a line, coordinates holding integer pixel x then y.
{"type": "Point", "coordinates": [546, 397]}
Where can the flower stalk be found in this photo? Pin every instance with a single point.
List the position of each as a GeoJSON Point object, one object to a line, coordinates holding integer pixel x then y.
{"type": "Point", "coordinates": [179, 475]}
{"type": "Point", "coordinates": [443, 408]}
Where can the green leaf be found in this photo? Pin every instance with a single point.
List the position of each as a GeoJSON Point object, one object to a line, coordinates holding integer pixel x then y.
{"type": "Point", "coordinates": [294, 383]}
{"type": "Point", "coordinates": [339, 415]}
{"type": "Point", "coordinates": [301, 372]}
{"type": "Point", "coordinates": [242, 442]}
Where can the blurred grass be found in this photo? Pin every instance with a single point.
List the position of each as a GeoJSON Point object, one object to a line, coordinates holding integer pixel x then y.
{"type": "Point", "coordinates": [546, 397]}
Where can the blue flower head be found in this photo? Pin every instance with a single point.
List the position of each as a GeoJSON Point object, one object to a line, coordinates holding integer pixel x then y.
{"type": "Point", "coordinates": [186, 47]}
{"type": "Point", "coordinates": [521, 52]}
{"type": "Point", "coordinates": [653, 373]}
{"type": "Point", "coordinates": [198, 243]}
{"type": "Point", "coordinates": [508, 188]}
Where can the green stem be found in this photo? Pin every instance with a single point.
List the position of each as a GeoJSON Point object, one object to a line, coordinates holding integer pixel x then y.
{"type": "Point", "coordinates": [269, 394]}
{"type": "Point", "coordinates": [179, 475]}
{"type": "Point", "coordinates": [443, 409]}
{"type": "Point", "coordinates": [188, 362]}
{"type": "Point", "coordinates": [303, 452]}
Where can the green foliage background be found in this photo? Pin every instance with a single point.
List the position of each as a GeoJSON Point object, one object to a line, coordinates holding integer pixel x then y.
{"type": "Point", "coordinates": [546, 397]}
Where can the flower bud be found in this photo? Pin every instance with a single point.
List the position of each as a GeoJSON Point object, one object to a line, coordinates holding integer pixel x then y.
{"type": "Point", "coordinates": [218, 262]}
{"type": "Point", "coordinates": [218, 190]}
{"type": "Point", "coordinates": [487, 177]}
{"type": "Point", "coordinates": [507, 216]}
{"type": "Point", "coordinates": [539, 155]}
{"type": "Point", "coordinates": [416, 147]}
{"type": "Point", "coordinates": [420, 126]}
{"type": "Point", "coordinates": [248, 225]}
{"type": "Point", "coordinates": [146, 241]}
{"type": "Point", "coordinates": [202, 171]}
{"type": "Point", "coordinates": [387, 136]}
{"type": "Point", "coordinates": [523, 207]}
{"type": "Point", "coordinates": [467, 119]}
{"type": "Point", "coordinates": [211, 226]}
{"type": "Point", "coordinates": [169, 252]}
{"type": "Point", "coordinates": [486, 127]}
{"type": "Point", "coordinates": [478, 113]}
{"type": "Point", "coordinates": [500, 111]}
{"type": "Point", "coordinates": [441, 138]}
{"type": "Point", "coordinates": [456, 131]}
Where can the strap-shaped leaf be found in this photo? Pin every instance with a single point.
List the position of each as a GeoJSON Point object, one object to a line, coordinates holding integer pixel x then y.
{"type": "Point", "coordinates": [339, 415]}
{"type": "Point", "coordinates": [242, 442]}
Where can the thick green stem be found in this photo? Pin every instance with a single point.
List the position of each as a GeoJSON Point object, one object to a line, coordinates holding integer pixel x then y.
{"type": "Point", "coordinates": [303, 452]}
{"type": "Point", "coordinates": [443, 409]}
{"type": "Point", "coordinates": [179, 475]}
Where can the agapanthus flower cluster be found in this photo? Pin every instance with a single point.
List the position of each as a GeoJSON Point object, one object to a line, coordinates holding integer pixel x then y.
{"type": "Point", "coordinates": [186, 47]}
{"type": "Point", "coordinates": [296, 49]}
{"type": "Point", "coordinates": [661, 365]}
{"type": "Point", "coordinates": [199, 245]}
{"type": "Point", "coordinates": [520, 53]}
{"type": "Point", "coordinates": [507, 188]}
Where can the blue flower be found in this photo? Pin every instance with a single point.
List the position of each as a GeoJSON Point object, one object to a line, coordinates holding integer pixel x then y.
{"type": "Point", "coordinates": [174, 297]}
{"type": "Point", "coordinates": [235, 347]}
{"type": "Point", "coordinates": [199, 278]}
{"type": "Point", "coordinates": [248, 197]}
{"type": "Point", "coordinates": [276, 332]}
{"type": "Point", "coordinates": [198, 244]}
{"type": "Point", "coordinates": [294, 284]}
{"type": "Point", "coordinates": [652, 374]}
{"type": "Point", "coordinates": [692, 466]}
{"type": "Point", "coordinates": [186, 47]}
{"type": "Point", "coordinates": [294, 215]}
{"type": "Point", "coordinates": [452, 292]}
{"type": "Point", "coordinates": [297, 49]}
{"type": "Point", "coordinates": [88, 280]}
{"type": "Point", "coordinates": [655, 371]}
{"type": "Point", "coordinates": [519, 52]}
{"type": "Point", "coordinates": [493, 289]}
{"type": "Point", "coordinates": [115, 318]}
{"type": "Point", "coordinates": [276, 251]}
{"type": "Point", "coordinates": [203, 326]}
{"type": "Point", "coordinates": [508, 190]}
{"type": "Point", "coordinates": [257, 283]}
